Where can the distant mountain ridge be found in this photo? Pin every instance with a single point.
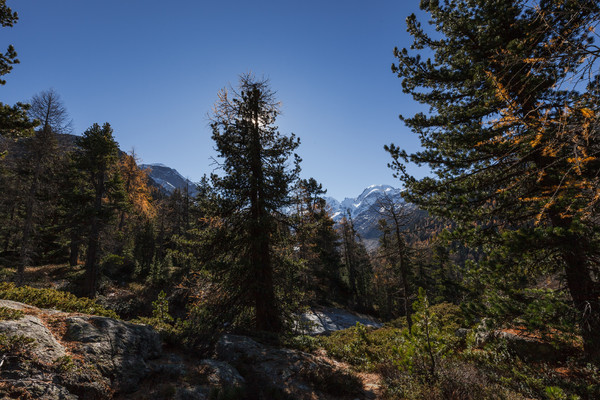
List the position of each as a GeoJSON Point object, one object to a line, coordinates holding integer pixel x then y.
{"type": "Point", "coordinates": [358, 205]}
{"type": "Point", "coordinates": [168, 179]}
{"type": "Point", "coordinates": [363, 209]}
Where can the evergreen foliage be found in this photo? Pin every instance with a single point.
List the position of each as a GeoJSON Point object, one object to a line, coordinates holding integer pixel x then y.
{"type": "Point", "coordinates": [512, 150]}
{"type": "Point", "coordinates": [38, 167]}
{"type": "Point", "coordinates": [252, 193]}
{"type": "Point", "coordinates": [317, 244]}
{"type": "Point", "coordinates": [357, 266]}
{"type": "Point", "coordinates": [7, 18]}
{"type": "Point", "coordinates": [395, 253]}
{"type": "Point", "coordinates": [102, 194]}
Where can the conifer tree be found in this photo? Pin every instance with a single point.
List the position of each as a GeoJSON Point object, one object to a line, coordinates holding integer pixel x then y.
{"type": "Point", "coordinates": [7, 18]}
{"type": "Point", "coordinates": [97, 160]}
{"type": "Point", "coordinates": [254, 189]}
{"type": "Point", "coordinates": [41, 156]}
{"type": "Point", "coordinates": [393, 247]}
{"type": "Point", "coordinates": [357, 265]}
{"type": "Point", "coordinates": [513, 151]}
{"type": "Point", "coordinates": [318, 241]}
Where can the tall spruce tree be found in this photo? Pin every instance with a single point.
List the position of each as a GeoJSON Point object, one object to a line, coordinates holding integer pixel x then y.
{"type": "Point", "coordinates": [513, 151]}
{"type": "Point", "coordinates": [103, 193]}
{"type": "Point", "coordinates": [254, 189]}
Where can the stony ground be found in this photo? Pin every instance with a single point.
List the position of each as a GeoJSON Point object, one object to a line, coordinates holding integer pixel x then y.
{"type": "Point", "coordinates": [49, 354]}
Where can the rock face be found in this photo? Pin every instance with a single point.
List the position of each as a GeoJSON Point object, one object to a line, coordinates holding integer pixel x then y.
{"type": "Point", "coordinates": [519, 341]}
{"type": "Point", "coordinates": [118, 349]}
{"type": "Point", "coordinates": [168, 179]}
{"type": "Point", "coordinates": [284, 373]}
{"type": "Point", "coordinates": [48, 348]}
{"type": "Point", "coordinates": [71, 356]}
{"type": "Point", "coordinates": [326, 320]}
{"type": "Point", "coordinates": [48, 354]}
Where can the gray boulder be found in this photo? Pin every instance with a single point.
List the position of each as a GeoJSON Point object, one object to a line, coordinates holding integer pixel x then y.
{"type": "Point", "coordinates": [75, 356]}
{"type": "Point", "coordinates": [46, 348]}
{"type": "Point", "coordinates": [323, 321]}
{"type": "Point", "coordinates": [287, 373]}
{"type": "Point", "coordinates": [529, 348]}
{"type": "Point", "coordinates": [520, 343]}
{"type": "Point", "coordinates": [118, 349]}
{"type": "Point", "coordinates": [220, 374]}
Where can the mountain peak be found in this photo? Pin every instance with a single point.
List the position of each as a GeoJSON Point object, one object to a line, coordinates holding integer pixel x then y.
{"type": "Point", "coordinates": [363, 202]}
{"type": "Point", "coordinates": [169, 179]}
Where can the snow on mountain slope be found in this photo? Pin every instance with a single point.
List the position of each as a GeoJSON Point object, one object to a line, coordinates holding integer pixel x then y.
{"type": "Point", "coordinates": [364, 210]}
{"type": "Point", "coordinates": [364, 202]}
{"type": "Point", "coordinates": [169, 179]}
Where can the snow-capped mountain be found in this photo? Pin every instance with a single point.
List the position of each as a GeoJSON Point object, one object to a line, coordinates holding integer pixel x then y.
{"type": "Point", "coordinates": [364, 202]}
{"type": "Point", "coordinates": [365, 208]}
{"type": "Point", "coordinates": [169, 179]}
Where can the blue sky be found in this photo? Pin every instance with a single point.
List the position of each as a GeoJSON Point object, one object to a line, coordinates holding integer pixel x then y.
{"type": "Point", "coordinates": [152, 69]}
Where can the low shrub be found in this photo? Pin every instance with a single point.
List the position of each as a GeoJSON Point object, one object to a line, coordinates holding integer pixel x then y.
{"type": "Point", "coordinates": [15, 345]}
{"type": "Point", "coordinates": [10, 313]}
{"type": "Point", "coordinates": [51, 298]}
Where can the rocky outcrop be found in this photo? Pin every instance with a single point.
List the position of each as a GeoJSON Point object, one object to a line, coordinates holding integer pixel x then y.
{"type": "Point", "coordinates": [120, 350]}
{"type": "Point", "coordinates": [529, 346]}
{"type": "Point", "coordinates": [47, 348]}
{"type": "Point", "coordinates": [55, 355]}
{"type": "Point", "coordinates": [49, 354]}
{"type": "Point", "coordinates": [323, 321]}
{"type": "Point", "coordinates": [284, 373]}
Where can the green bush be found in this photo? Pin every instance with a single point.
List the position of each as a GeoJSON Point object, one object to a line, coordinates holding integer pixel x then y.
{"type": "Point", "coordinates": [363, 347]}
{"type": "Point", "coordinates": [50, 298]}
{"type": "Point", "coordinates": [15, 345]}
{"type": "Point", "coordinates": [10, 313]}
{"type": "Point", "coordinates": [431, 339]}
{"type": "Point", "coordinates": [161, 320]}
{"type": "Point", "coordinates": [304, 343]}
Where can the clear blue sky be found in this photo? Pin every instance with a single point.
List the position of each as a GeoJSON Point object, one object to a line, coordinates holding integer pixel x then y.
{"type": "Point", "coordinates": [152, 69]}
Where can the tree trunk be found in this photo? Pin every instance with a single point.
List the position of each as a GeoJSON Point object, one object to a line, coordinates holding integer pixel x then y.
{"type": "Point", "coordinates": [584, 293]}
{"type": "Point", "coordinates": [583, 289]}
{"type": "Point", "coordinates": [25, 254]}
{"type": "Point", "coordinates": [91, 264]}
{"type": "Point", "coordinates": [267, 314]}
{"type": "Point", "coordinates": [403, 270]}
{"type": "Point", "coordinates": [74, 250]}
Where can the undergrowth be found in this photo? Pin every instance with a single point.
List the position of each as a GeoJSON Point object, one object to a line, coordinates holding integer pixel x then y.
{"type": "Point", "coordinates": [10, 314]}
{"type": "Point", "coordinates": [51, 298]}
{"type": "Point", "coordinates": [433, 362]}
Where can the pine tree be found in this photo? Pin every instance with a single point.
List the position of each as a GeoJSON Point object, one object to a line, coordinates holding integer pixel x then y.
{"type": "Point", "coordinates": [41, 157]}
{"type": "Point", "coordinates": [14, 126]}
{"type": "Point", "coordinates": [7, 18]}
{"type": "Point", "coordinates": [97, 160]}
{"type": "Point", "coordinates": [513, 151]}
{"type": "Point", "coordinates": [317, 242]}
{"type": "Point", "coordinates": [357, 265]}
{"type": "Point", "coordinates": [394, 219]}
{"type": "Point", "coordinates": [254, 189]}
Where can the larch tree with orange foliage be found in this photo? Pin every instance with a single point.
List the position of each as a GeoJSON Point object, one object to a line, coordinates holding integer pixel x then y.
{"type": "Point", "coordinates": [135, 183]}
